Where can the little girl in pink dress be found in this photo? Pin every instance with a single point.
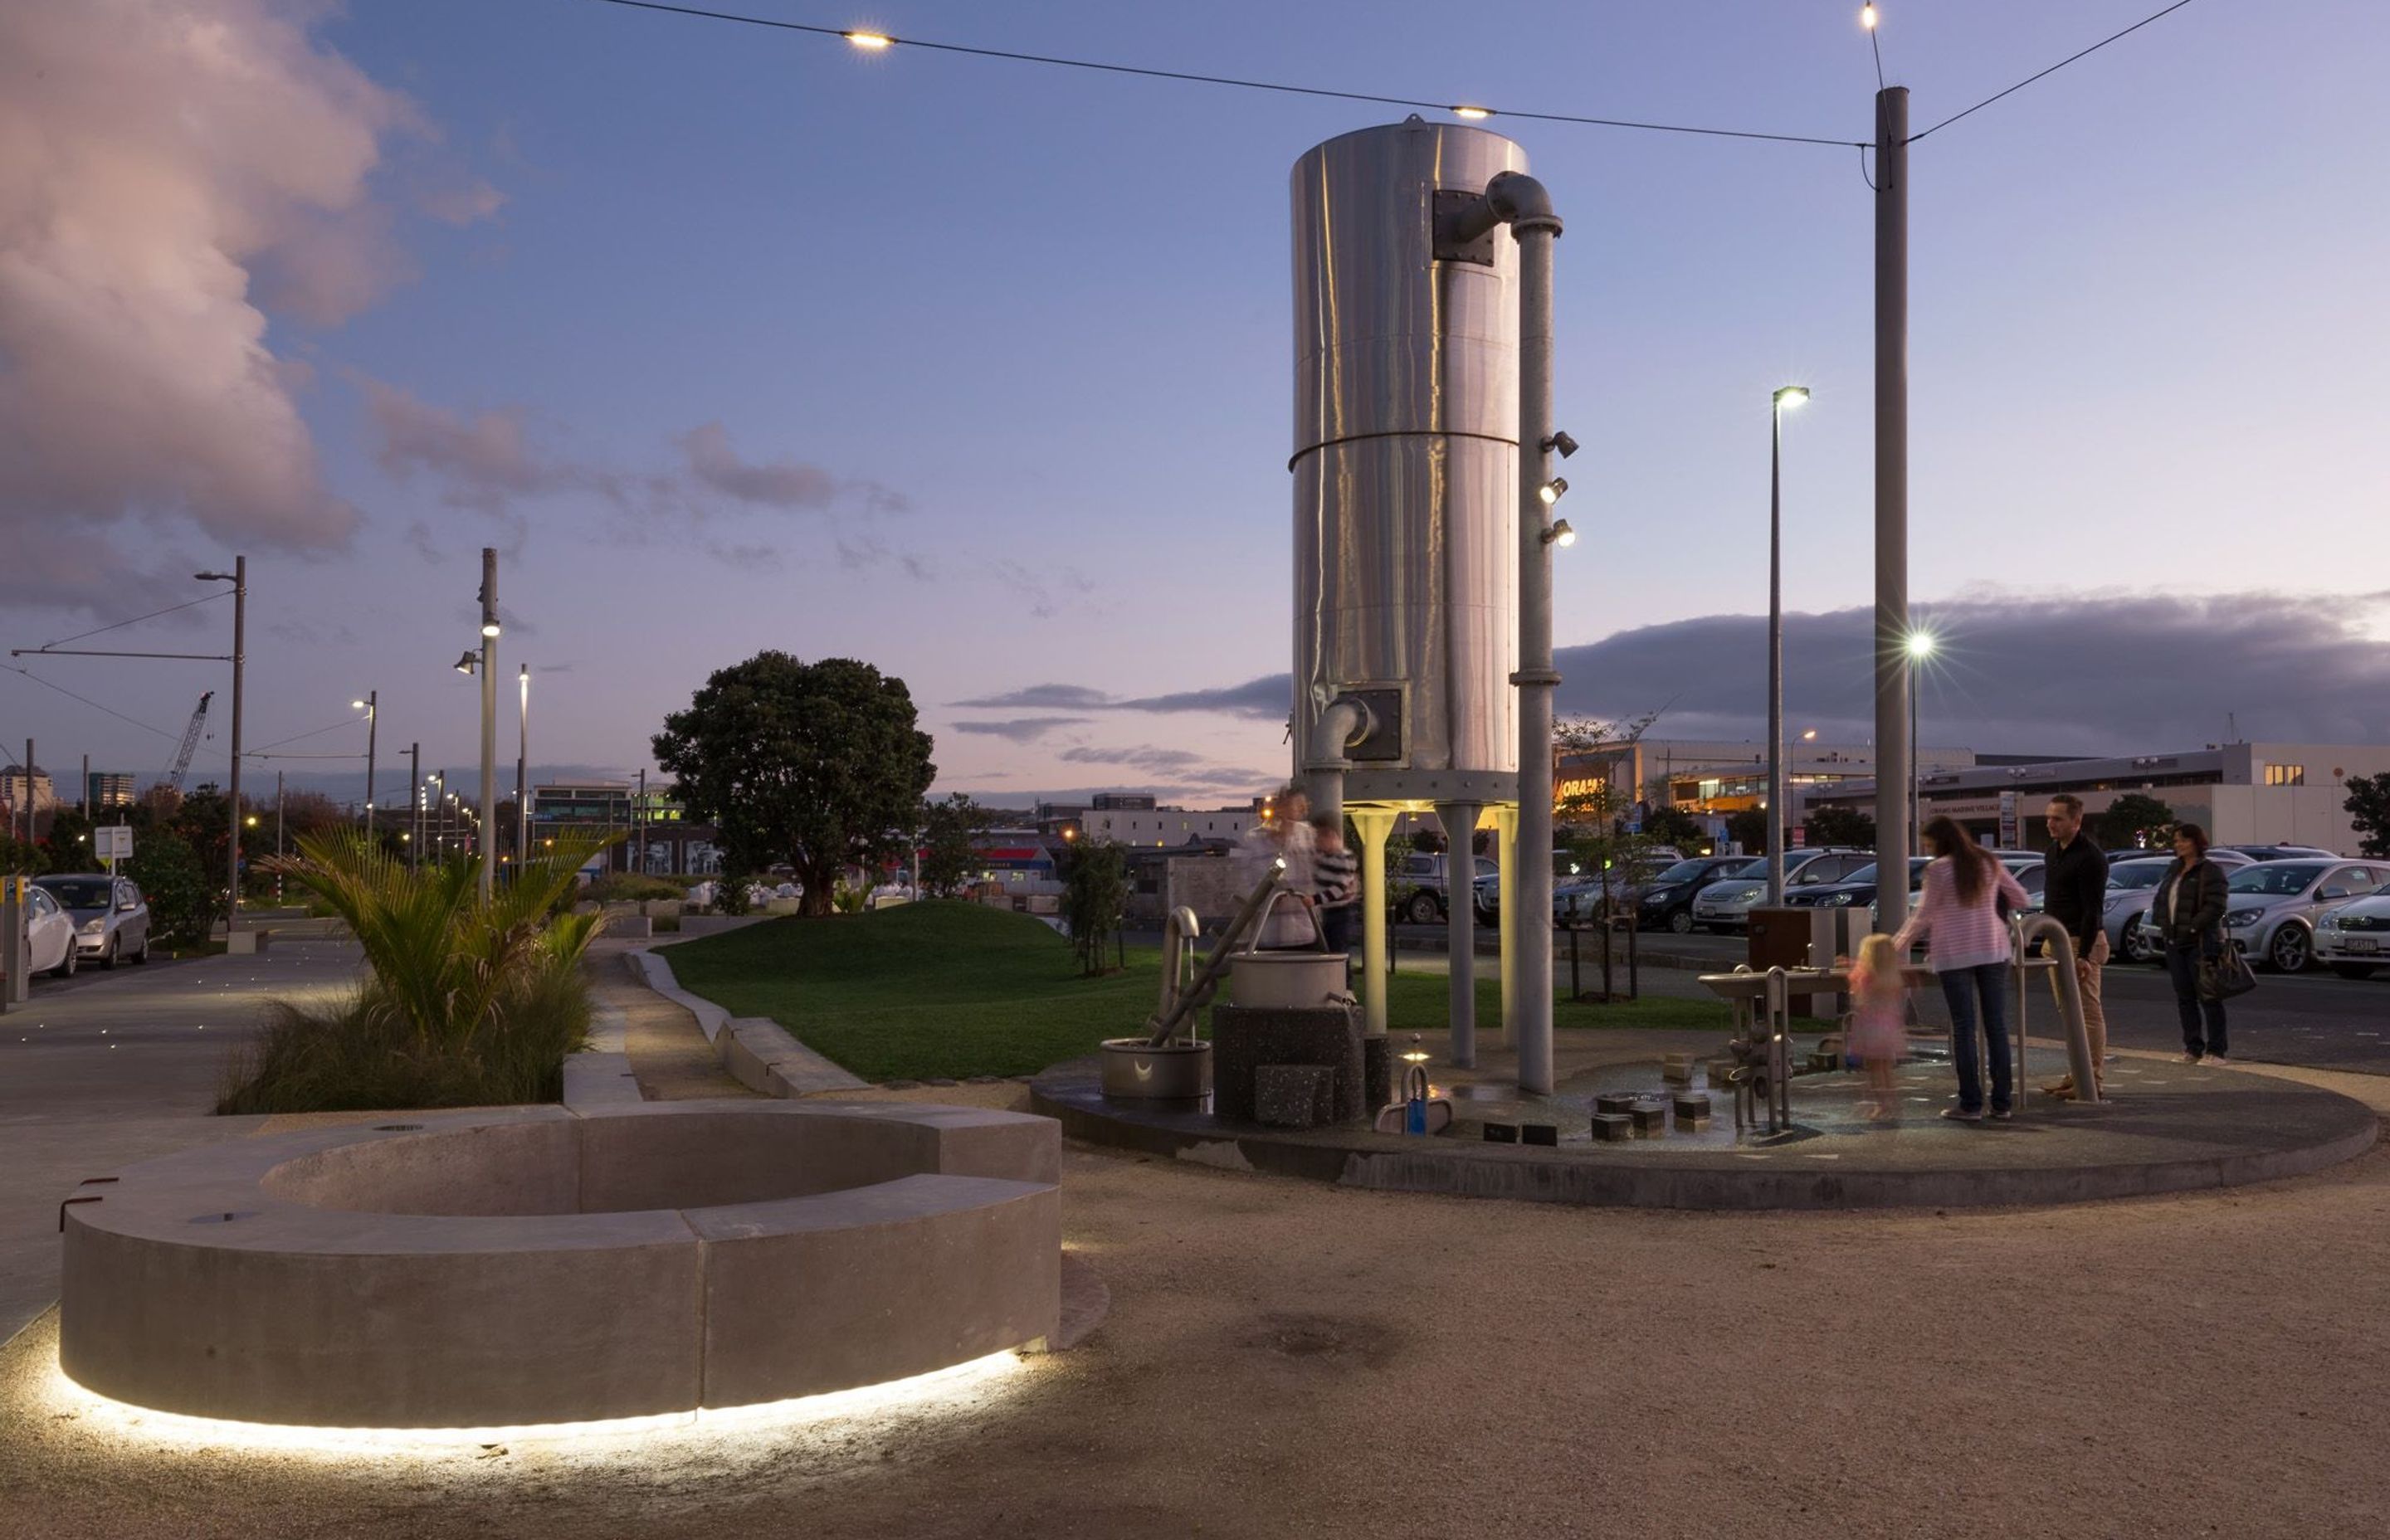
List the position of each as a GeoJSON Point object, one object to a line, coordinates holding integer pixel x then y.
{"type": "Point", "coordinates": [1878, 1034]}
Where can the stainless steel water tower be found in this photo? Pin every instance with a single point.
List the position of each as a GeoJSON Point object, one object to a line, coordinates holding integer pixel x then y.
{"type": "Point", "coordinates": [1409, 692]}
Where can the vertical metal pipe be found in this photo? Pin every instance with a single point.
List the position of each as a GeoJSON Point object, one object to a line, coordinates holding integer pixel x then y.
{"type": "Point", "coordinates": [1536, 677]}
{"type": "Point", "coordinates": [239, 660]}
{"type": "Point", "coordinates": [482, 844]}
{"type": "Point", "coordinates": [1459, 820]}
{"type": "Point", "coordinates": [1506, 860]}
{"type": "Point", "coordinates": [1776, 652]}
{"type": "Point", "coordinates": [1374, 825]}
{"type": "Point", "coordinates": [1892, 662]}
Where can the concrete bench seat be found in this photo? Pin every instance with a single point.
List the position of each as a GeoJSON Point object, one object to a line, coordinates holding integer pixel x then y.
{"type": "Point", "coordinates": [508, 1267]}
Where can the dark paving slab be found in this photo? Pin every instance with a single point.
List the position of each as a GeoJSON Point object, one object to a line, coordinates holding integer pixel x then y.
{"type": "Point", "coordinates": [2170, 1128]}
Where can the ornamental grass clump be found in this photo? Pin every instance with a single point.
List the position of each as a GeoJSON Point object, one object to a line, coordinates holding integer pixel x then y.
{"type": "Point", "coordinates": [467, 1004]}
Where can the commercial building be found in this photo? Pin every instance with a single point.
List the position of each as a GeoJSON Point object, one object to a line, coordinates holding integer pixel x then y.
{"type": "Point", "coordinates": [1716, 778]}
{"type": "Point", "coordinates": [659, 839]}
{"type": "Point", "coordinates": [108, 788]}
{"type": "Point", "coordinates": [2242, 793]}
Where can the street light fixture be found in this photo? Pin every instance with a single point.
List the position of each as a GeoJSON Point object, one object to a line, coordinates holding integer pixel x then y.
{"type": "Point", "coordinates": [1553, 490]}
{"type": "Point", "coordinates": [1559, 534]}
{"type": "Point", "coordinates": [371, 706]}
{"type": "Point", "coordinates": [1787, 396]}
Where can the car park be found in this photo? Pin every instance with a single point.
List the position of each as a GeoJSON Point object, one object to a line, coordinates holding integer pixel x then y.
{"type": "Point", "coordinates": [2131, 885]}
{"type": "Point", "coordinates": [50, 934]}
{"type": "Point", "coordinates": [2271, 908]}
{"type": "Point", "coordinates": [1726, 904]}
{"type": "Point", "coordinates": [1417, 887]}
{"type": "Point", "coordinates": [2277, 853]}
{"type": "Point", "coordinates": [110, 918]}
{"type": "Point", "coordinates": [2353, 939]}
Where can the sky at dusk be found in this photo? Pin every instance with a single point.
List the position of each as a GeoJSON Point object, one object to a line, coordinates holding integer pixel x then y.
{"type": "Point", "coordinates": [732, 339]}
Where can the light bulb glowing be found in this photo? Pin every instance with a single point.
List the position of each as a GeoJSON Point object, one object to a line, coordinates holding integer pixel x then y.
{"type": "Point", "coordinates": [1866, 16]}
{"type": "Point", "coordinates": [1553, 490]}
{"type": "Point", "coordinates": [1473, 113]}
{"type": "Point", "coordinates": [489, 628]}
{"type": "Point", "coordinates": [871, 42]}
{"type": "Point", "coordinates": [1791, 395]}
{"type": "Point", "coordinates": [1921, 645]}
{"type": "Point", "coordinates": [1560, 534]}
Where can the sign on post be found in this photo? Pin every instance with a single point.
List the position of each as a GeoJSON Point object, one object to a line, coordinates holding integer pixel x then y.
{"type": "Point", "coordinates": [111, 843]}
{"type": "Point", "coordinates": [2007, 820]}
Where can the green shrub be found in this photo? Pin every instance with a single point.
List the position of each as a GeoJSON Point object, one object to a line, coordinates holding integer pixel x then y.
{"type": "Point", "coordinates": [468, 1002]}
{"type": "Point", "coordinates": [631, 888]}
{"type": "Point", "coordinates": [182, 902]}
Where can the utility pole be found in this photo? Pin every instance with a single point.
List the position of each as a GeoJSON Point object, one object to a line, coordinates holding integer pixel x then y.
{"type": "Point", "coordinates": [1892, 658]}
{"type": "Point", "coordinates": [277, 836]}
{"type": "Point", "coordinates": [639, 825]}
{"type": "Point", "coordinates": [373, 731]}
{"type": "Point", "coordinates": [86, 789]}
{"type": "Point", "coordinates": [415, 806]}
{"type": "Point", "coordinates": [29, 791]}
{"type": "Point", "coordinates": [489, 717]}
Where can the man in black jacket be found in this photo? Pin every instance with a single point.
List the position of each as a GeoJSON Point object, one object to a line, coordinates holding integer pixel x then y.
{"type": "Point", "coordinates": [2075, 892]}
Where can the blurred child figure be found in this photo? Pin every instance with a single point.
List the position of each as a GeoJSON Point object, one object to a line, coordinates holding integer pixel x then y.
{"type": "Point", "coordinates": [1878, 1034]}
{"type": "Point", "coordinates": [1336, 884]}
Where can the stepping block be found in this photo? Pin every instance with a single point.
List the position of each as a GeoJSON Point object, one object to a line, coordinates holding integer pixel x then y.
{"type": "Point", "coordinates": [1539, 1133]}
{"type": "Point", "coordinates": [1677, 1067]}
{"type": "Point", "coordinates": [1825, 1061]}
{"type": "Point", "coordinates": [1692, 1109]}
{"type": "Point", "coordinates": [1619, 1102]}
{"type": "Point", "coordinates": [1294, 1096]}
{"type": "Point", "coordinates": [1501, 1133]}
{"type": "Point", "coordinates": [1612, 1128]}
{"type": "Point", "coordinates": [1650, 1119]}
{"type": "Point", "coordinates": [1721, 1070]}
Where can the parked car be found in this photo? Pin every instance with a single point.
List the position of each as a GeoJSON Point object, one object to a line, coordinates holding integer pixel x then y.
{"type": "Point", "coordinates": [2270, 907]}
{"type": "Point", "coordinates": [1726, 905]}
{"type": "Point", "coordinates": [1416, 890]}
{"type": "Point", "coordinates": [2131, 885]}
{"type": "Point", "coordinates": [1567, 872]}
{"type": "Point", "coordinates": [2354, 939]}
{"type": "Point", "coordinates": [2279, 853]}
{"type": "Point", "coordinates": [1666, 903]}
{"type": "Point", "coordinates": [1859, 890]}
{"type": "Point", "coordinates": [50, 934]}
{"type": "Point", "coordinates": [111, 919]}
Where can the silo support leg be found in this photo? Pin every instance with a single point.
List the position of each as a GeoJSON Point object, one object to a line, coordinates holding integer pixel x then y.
{"type": "Point", "coordinates": [1374, 824]}
{"type": "Point", "coordinates": [1506, 852]}
{"type": "Point", "coordinates": [1459, 820]}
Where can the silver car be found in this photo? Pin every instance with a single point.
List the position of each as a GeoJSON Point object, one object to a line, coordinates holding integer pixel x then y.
{"type": "Point", "coordinates": [2270, 907]}
{"type": "Point", "coordinates": [2353, 939]}
{"type": "Point", "coordinates": [111, 919]}
{"type": "Point", "coordinates": [1726, 906]}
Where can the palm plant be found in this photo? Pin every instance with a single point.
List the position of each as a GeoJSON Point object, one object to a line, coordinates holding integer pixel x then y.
{"type": "Point", "coordinates": [446, 964]}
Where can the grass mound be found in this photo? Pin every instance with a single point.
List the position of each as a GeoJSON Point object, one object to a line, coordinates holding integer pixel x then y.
{"type": "Point", "coordinates": [952, 989]}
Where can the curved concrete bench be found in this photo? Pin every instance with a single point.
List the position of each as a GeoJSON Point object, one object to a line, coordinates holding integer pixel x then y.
{"type": "Point", "coordinates": [503, 1268]}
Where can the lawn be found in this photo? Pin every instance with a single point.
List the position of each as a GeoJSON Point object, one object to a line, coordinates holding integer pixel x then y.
{"type": "Point", "coordinates": [960, 989]}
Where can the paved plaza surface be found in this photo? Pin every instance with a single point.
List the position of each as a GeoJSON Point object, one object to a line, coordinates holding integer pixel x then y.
{"type": "Point", "coordinates": [1286, 1358]}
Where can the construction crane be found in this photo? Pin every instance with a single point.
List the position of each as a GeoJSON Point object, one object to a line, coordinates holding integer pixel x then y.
{"type": "Point", "coordinates": [190, 743]}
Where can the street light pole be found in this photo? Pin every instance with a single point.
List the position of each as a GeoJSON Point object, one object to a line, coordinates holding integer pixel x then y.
{"type": "Point", "coordinates": [1892, 664]}
{"type": "Point", "coordinates": [238, 578]}
{"type": "Point", "coordinates": [522, 774]}
{"type": "Point", "coordinates": [489, 717]}
{"type": "Point", "coordinates": [1789, 395]}
{"type": "Point", "coordinates": [372, 704]}
{"type": "Point", "coordinates": [414, 806]}
{"type": "Point", "coordinates": [1920, 649]}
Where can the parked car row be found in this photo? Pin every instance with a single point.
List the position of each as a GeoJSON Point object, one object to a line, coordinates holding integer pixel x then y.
{"type": "Point", "coordinates": [85, 917]}
{"type": "Point", "coordinates": [2275, 910]}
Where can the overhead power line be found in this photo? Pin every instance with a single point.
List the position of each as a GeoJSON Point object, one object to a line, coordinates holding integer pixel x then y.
{"type": "Point", "coordinates": [118, 625]}
{"type": "Point", "coordinates": [87, 700]}
{"type": "Point", "coordinates": [855, 37]}
{"type": "Point", "coordinates": [2052, 69]}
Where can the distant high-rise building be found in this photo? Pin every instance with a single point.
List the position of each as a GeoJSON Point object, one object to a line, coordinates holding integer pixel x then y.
{"type": "Point", "coordinates": [108, 788]}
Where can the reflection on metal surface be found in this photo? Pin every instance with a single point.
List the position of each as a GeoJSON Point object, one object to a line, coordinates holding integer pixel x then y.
{"type": "Point", "coordinates": [1405, 454]}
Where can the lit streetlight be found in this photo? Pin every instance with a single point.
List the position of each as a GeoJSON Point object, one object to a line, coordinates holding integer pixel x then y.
{"type": "Point", "coordinates": [1789, 397]}
{"type": "Point", "coordinates": [371, 706]}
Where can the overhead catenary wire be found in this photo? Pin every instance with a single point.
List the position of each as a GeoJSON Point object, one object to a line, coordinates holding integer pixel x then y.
{"type": "Point", "coordinates": [848, 35]}
{"type": "Point", "coordinates": [118, 625]}
{"type": "Point", "coordinates": [2052, 69]}
{"type": "Point", "coordinates": [171, 738]}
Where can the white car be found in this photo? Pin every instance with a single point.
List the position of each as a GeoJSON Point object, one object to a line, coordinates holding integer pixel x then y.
{"type": "Point", "coordinates": [2354, 939]}
{"type": "Point", "coordinates": [1726, 905]}
{"type": "Point", "coordinates": [2270, 907]}
{"type": "Point", "coordinates": [110, 918]}
{"type": "Point", "coordinates": [51, 935]}
{"type": "Point", "coordinates": [2132, 883]}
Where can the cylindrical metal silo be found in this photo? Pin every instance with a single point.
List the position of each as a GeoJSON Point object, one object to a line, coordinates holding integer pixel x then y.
{"type": "Point", "coordinates": [1406, 462]}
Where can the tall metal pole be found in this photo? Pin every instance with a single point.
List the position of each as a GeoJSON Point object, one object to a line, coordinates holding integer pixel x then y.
{"type": "Point", "coordinates": [86, 789]}
{"type": "Point", "coordinates": [29, 791]}
{"type": "Point", "coordinates": [373, 730]}
{"type": "Point", "coordinates": [414, 806]}
{"type": "Point", "coordinates": [489, 718]}
{"type": "Point", "coordinates": [523, 773]}
{"type": "Point", "coordinates": [1537, 228]}
{"type": "Point", "coordinates": [1776, 650]}
{"type": "Point", "coordinates": [1892, 662]}
{"type": "Point", "coordinates": [640, 823]}
{"type": "Point", "coordinates": [278, 835]}
{"type": "Point", "coordinates": [239, 660]}
{"type": "Point", "coordinates": [1916, 772]}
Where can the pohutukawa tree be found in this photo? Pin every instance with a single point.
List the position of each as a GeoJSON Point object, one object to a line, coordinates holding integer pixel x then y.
{"type": "Point", "coordinates": [820, 764]}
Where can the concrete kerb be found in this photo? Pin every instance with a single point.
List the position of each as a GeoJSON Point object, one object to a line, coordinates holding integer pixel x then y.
{"type": "Point", "coordinates": [456, 1269]}
{"type": "Point", "coordinates": [758, 1051]}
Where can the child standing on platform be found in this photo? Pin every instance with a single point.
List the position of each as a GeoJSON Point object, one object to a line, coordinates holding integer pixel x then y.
{"type": "Point", "coordinates": [1878, 1034]}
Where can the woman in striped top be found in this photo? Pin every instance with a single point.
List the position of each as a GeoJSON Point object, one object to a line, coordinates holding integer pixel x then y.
{"type": "Point", "coordinates": [1959, 914]}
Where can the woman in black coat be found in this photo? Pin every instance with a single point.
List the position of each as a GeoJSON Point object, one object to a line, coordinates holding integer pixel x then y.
{"type": "Point", "coordinates": [2189, 913]}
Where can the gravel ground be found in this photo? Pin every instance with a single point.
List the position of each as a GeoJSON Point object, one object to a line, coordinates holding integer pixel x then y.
{"type": "Point", "coordinates": [1287, 1359]}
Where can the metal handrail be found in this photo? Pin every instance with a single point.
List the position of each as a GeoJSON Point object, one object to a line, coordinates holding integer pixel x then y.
{"type": "Point", "coordinates": [2023, 930]}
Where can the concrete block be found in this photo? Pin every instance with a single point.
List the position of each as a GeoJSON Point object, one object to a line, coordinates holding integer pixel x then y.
{"type": "Point", "coordinates": [242, 943]}
{"type": "Point", "coordinates": [1539, 1134]}
{"type": "Point", "coordinates": [1501, 1133]}
{"type": "Point", "coordinates": [1718, 1071]}
{"type": "Point", "coordinates": [1679, 1067]}
{"type": "Point", "coordinates": [1650, 1119]}
{"type": "Point", "coordinates": [1619, 1102]}
{"type": "Point", "coordinates": [1246, 1037]}
{"type": "Point", "coordinates": [1612, 1128]}
{"type": "Point", "coordinates": [1692, 1109]}
{"type": "Point", "coordinates": [1294, 1096]}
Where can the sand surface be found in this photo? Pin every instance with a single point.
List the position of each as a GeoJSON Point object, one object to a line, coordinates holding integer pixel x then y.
{"type": "Point", "coordinates": [1287, 1359]}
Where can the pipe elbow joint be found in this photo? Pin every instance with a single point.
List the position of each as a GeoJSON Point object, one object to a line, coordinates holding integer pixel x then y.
{"type": "Point", "coordinates": [1346, 722]}
{"type": "Point", "coordinates": [1522, 203]}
